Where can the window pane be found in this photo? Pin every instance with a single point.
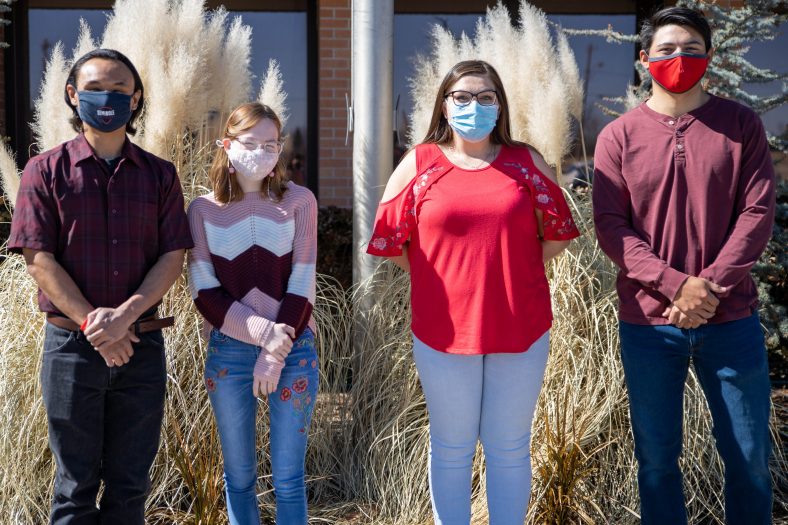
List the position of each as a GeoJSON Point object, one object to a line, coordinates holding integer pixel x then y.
{"type": "Point", "coordinates": [771, 55]}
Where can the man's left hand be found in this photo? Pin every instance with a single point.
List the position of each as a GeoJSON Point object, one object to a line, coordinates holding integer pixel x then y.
{"type": "Point", "coordinates": [679, 318]}
{"type": "Point", "coordinates": [107, 326]}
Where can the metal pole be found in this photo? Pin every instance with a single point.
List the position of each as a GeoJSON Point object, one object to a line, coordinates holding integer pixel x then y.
{"type": "Point", "coordinates": [372, 39]}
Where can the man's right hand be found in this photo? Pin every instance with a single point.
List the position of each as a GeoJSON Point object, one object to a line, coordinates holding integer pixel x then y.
{"type": "Point", "coordinates": [280, 341]}
{"type": "Point", "coordinates": [696, 299]}
{"type": "Point", "coordinates": [118, 353]}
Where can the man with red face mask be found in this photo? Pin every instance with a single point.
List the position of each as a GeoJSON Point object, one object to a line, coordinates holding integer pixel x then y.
{"type": "Point", "coordinates": [684, 205]}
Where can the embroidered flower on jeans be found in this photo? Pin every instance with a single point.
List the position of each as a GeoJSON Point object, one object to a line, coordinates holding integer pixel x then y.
{"type": "Point", "coordinates": [302, 363]}
{"type": "Point", "coordinates": [314, 363]}
{"type": "Point", "coordinates": [222, 373]}
{"type": "Point", "coordinates": [285, 394]}
{"type": "Point", "coordinates": [300, 384]}
{"type": "Point", "coordinates": [210, 384]}
{"type": "Point", "coordinates": [297, 403]}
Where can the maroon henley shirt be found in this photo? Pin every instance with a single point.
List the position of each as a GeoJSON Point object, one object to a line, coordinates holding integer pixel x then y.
{"type": "Point", "coordinates": [679, 197]}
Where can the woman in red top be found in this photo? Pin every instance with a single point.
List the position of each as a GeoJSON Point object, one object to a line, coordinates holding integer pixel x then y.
{"type": "Point", "coordinates": [473, 215]}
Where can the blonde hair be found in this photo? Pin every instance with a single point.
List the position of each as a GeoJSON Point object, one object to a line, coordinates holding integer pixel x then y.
{"type": "Point", "coordinates": [225, 184]}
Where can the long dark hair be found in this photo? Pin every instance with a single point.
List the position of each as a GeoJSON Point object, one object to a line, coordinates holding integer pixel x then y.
{"type": "Point", "coordinates": [106, 54]}
{"type": "Point", "coordinates": [225, 185]}
{"type": "Point", "coordinates": [440, 132]}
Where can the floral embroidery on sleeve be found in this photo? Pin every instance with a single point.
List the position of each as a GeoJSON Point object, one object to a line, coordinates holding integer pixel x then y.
{"type": "Point", "coordinates": [542, 191]}
{"type": "Point", "coordinates": [558, 223]}
{"type": "Point", "coordinates": [408, 213]}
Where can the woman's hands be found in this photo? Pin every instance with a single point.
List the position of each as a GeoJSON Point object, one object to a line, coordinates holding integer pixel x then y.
{"type": "Point", "coordinates": [263, 386]}
{"type": "Point", "coordinates": [277, 348]}
{"type": "Point", "coordinates": [280, 341]}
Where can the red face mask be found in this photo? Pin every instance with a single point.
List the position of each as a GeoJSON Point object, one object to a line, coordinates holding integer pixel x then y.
{"type": "Point", "coordinates": [678, 72]}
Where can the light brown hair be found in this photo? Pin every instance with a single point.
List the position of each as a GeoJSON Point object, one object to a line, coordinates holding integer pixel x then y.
{"type": "Point", "coordinates": [225, 185]}
{"type": "Point", "coordinates": [440, 132]}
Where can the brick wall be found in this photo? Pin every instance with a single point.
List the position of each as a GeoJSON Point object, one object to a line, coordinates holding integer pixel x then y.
{"type": "Point", "coordinates": [335, 159]}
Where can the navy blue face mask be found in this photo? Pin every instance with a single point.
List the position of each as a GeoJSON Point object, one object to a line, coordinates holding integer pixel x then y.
{"type": "Point", "coordinates": [104, 110]}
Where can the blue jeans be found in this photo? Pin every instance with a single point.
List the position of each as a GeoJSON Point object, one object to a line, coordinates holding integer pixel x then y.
{"type": "Point", "coordinates": [489, 397]}
{"type": "Point", "coordinates": [104, 424]}
{"type": "Point", "coordinates": [730, 363]}
{"type": "Point", "coordinates": [229, 378]}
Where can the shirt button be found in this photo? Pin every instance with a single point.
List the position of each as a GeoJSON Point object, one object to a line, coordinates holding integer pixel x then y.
{"type": "Point", "coordinates": [114, 211]}
{"type": "Point", "coordinates": [671, 122]}
{"type": "Point", "coordinates": [115, 273]}
{"type": "Point", "coordinates": [114, 241]}
{"type": "Point", "coordinates": [680, 146]}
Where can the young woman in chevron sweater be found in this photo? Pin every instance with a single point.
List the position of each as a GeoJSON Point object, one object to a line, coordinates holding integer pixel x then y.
{"type": "Point", "coordinates": [252, 277]}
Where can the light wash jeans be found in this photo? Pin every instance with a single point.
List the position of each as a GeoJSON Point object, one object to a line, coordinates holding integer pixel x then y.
{"type": "Point", "coordinates": [490, 397]}
{"type": "Point", "coordinates": [730, 363]}
{"type": "Point", "coordinates": [228, 378]}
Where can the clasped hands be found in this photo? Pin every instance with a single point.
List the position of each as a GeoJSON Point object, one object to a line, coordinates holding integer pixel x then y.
{"type": "Point", "coordinates": [108, 330]}
{"type": "Point", "coordinates": [694, 304]}
{"type": "Point", "coordinates": [278, 345]}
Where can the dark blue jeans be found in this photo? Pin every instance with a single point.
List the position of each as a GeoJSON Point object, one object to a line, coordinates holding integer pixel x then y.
{"type": "Point", "coordinates": [731, 366]}
{"type": "Point", "coordinates": [104, 424]}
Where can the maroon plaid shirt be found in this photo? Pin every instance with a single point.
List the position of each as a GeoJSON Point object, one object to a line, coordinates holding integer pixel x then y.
{"type": "Point", "coordinates": [106, 229]}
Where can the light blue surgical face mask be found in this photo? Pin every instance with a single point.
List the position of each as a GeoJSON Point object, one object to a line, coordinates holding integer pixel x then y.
{"type": "Point", "coordinates": [472, 122]}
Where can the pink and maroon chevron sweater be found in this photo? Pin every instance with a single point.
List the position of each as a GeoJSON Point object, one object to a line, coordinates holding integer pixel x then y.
{"type": "Point", "coordinates": [253, 265]}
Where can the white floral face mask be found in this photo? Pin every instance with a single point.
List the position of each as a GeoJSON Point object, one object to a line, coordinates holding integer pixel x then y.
{"type": "Point", "coordinates": [255, 164]}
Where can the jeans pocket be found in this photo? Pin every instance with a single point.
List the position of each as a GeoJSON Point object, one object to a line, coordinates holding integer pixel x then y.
{"type": "Point", "coordinates": [153, 339]}
{"type": "Point", "coordinates": [217, 336]}
{"type": "Point", "coordinates": [56, 339]}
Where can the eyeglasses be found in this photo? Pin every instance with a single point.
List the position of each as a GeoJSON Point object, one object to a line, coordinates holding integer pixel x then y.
{"type": "Point", "coordinates": [274, 146]}
{"type": "Point", "coordinates": [488, 97]}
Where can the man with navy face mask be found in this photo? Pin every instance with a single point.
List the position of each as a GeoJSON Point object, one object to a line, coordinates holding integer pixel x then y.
{"type": "Point", "coordinates": [102, 227]}
{"type": "Point", "coordinates": [684, 204]}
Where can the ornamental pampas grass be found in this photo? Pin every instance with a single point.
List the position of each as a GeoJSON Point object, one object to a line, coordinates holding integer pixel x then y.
{"type": "Point", "coordinates": [272, 92]}
{"type": "Point", "coordinates": [234, 83]}
{"type": "Point", "coordinates": [10, 175]}
{"type": "Point", "coordinates": [50, 124]}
